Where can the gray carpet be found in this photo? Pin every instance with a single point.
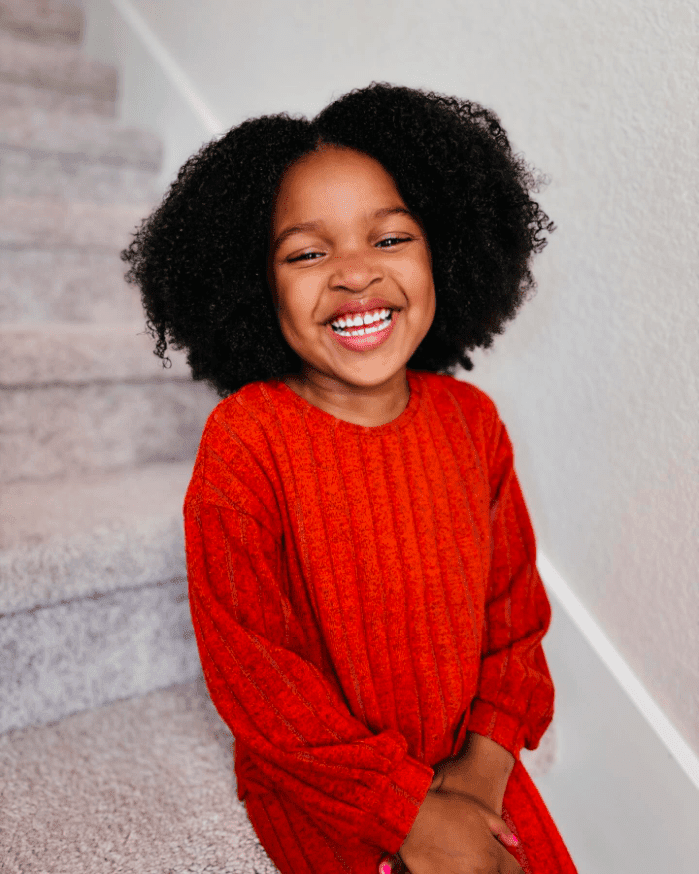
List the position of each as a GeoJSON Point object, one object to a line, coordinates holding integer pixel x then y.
{"type": "Point", "coordinates": [144, 786]}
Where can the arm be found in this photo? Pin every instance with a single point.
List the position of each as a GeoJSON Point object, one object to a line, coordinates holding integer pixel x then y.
{"type": "Point", "coordinates": [283, 710]}
{"type": "Point", "coordinates": [482, 771]}
{"type": "Point", "coordinates": [513, 704]}
{"type": "Point", "coordinates": [514, 701]}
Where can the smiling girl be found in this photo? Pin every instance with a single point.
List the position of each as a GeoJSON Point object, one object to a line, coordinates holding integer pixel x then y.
{"type": "Point", "coordinates": [361, 565]}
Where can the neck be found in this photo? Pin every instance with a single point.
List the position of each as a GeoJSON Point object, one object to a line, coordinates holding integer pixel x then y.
{"type": "Point", "coordinates": [369, 406]}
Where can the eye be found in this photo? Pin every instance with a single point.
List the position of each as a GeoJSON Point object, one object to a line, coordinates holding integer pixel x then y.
{"type": "Point", "coordinates": [392, 241]}
{"type": "Point", "coordinates": [305, 256]}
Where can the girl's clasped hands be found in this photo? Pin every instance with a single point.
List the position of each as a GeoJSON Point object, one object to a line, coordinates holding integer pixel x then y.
{"type": "Point", "coordinates": [457, 834]}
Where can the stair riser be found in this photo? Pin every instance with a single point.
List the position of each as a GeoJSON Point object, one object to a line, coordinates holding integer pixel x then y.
{"type": "Point", "coordinates": [60, 285]}
{"type": "Point", "coordinates": [87, 653]}
{"type": "Point", "coordinates": [54, 23]}
{"type": "Point", "coordinates": [27, 174]}
{"type": "Point", "coordinates": [89, 138]}
{"type": "Point", "coordinates": [83, 354]}
{"type": "Point", "coordinates": [54, 431]}
{"type": "Point", "coordinates": [104, 557]}
{"type": "Point", "coordinates": [43, 223]}
{"type": "Point", "coordinates": [55, 68]}
{"type": "Point", "coordinates": [17, 95]}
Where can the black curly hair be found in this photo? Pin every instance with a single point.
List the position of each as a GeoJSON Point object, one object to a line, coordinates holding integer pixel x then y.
{"type": "Point", "coordinates": [201, 258]}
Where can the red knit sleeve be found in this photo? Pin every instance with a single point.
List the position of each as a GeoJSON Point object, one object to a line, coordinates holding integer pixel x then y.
{"type": "Point", "coordinates": [514, 701]}
{"type": "Point", "coordinates": [288, 716]}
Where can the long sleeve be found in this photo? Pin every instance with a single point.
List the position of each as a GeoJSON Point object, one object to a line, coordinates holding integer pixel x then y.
{"type": "Point", "coordinates": [283, 711]}
{"type": "Point", "coordinates": [514, 701]}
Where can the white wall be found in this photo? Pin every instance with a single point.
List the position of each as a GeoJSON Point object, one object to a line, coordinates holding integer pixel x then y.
{"type": "Point", "coordinates": [598, 378]}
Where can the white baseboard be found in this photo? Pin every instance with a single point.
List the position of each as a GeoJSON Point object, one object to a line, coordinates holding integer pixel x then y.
{"type": "Point", "coordinates": [678, 748]}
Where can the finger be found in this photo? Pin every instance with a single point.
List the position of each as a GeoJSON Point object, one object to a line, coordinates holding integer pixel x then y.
{"type": "Point", "coordinates": [392, 865]}
{"type": "Point", "coordinates": [508, 864]}
{"type": "Point", "coordinates": [501, 830]}
{"type": "Point", "coordinates": [509, 838]}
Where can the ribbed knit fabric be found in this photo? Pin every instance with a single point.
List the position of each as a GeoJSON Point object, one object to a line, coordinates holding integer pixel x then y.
{"type": "Point", "coordinates": [361, 598]}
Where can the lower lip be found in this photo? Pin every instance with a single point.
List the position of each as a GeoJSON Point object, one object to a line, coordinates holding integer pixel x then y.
{"type": "Point", "coordinates": [365, 343]}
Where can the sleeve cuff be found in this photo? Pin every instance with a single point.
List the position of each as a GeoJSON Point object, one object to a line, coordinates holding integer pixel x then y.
{"type": "Point", "coordinates": [405, 790]}
{"type": "Point", "coordinates": [501, 727]}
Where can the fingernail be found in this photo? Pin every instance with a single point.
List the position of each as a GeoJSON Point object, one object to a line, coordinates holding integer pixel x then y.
{"type": "Point", "coordinates": [385, 868]}
{"type": "Point", "coordinates": [512, 840]}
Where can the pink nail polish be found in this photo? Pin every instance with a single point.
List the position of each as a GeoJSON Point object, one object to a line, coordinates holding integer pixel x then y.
{"type": "Point", "coordinates": [385, 868]}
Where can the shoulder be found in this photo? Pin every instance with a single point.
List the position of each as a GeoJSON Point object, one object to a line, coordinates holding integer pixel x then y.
{"type": "Point", "coordinates": [235, 465]}
{"type": "Point", "coordinates": [244, 415]}
{"type": "Point", "coordinates": [467, 411]}
{"type": "Point", "coordinates": [448, 393]}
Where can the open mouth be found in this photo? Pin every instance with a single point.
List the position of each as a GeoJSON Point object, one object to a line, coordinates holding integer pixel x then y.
{"type": "Point", "coordinates": [361, 324]}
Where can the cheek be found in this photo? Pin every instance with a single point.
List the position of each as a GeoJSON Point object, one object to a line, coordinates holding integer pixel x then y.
{"type": "Point", "coordinates": [429, 296]}
{"type": "Point", "coordinates": [292, 309]}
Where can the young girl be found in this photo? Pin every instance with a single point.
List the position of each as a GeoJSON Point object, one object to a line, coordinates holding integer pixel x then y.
{"type": "Point", "coordinates": [361, 564]}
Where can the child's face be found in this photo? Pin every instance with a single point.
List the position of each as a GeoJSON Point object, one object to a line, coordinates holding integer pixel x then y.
{"type": "Point", "coordinates": [344, 243]}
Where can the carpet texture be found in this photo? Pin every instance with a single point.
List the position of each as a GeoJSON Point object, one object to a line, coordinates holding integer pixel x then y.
{"type": "Point", "coordinates": [144, 786]}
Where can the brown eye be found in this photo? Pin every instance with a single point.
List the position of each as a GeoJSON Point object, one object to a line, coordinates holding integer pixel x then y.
{"type": "Point", "coordinates": [392, 241]}
{"type": "Point", "coordinates": [306, 256]}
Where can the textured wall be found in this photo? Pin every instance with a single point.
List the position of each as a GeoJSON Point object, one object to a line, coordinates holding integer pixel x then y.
{"type": "Point", "coordinates": [598, 378]}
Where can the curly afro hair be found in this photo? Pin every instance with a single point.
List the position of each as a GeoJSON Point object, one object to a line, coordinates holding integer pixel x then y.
{"type": "Point", "coordinates": [200, 259]}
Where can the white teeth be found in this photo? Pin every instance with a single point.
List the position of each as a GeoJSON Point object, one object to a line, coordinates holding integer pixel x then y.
{"type": "Point", "coordinates": [382, 318]}
{"type": "Point", "coordinates": [361, 319]}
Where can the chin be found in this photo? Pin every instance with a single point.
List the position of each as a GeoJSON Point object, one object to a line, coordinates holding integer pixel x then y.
{"type": "Point", "coordinates": [374, 378]}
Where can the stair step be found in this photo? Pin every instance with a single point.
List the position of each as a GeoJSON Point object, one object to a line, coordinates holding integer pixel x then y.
{"type": "Point", "coordinates": [26, 174]}
{"type": "Point", "coordinates": [66, 285]}
{"type": "Point", "coordinates": [145, 786]}
{"type": "Point", "coordinates": [90, 535]}
{"type": "Point", "coordinates": [50, 354]}
{"type": "Point", "coordinates": [64, 430]}
{"type": "Point", "coordinates": [53, 155]}
{"type": "Point", "coordinates": [81, 398]}
{"type": "Point", "coordinates": [44, 21]}
{"type": "Point", "coordinates": [36, 223]}
{"type": "Point", "coordinates": [86, 653]}
{"type": "Point", "coordinates": [62, 69]}
{"type": "Point", "coordinates": [13, 94]}
{"type": "Point", "coordinates": [93, 603]}
{"type": "Point", "coordinates": [90, 138]}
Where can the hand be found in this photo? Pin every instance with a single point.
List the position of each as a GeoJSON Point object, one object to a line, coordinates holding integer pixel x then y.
{"type": "Point", "coordinates": [481, 770]}
{"type": "Point", "coordinates": [456, 775]}
{"type": "Point", "coordinates": [454, 833]}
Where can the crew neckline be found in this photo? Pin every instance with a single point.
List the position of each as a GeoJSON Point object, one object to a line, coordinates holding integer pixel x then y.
{"type": "Point", "coordinates": [311, 411]}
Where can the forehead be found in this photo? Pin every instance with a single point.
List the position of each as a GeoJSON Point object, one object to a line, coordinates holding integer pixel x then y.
{"type": "Point", "coordinates": [333, 183]}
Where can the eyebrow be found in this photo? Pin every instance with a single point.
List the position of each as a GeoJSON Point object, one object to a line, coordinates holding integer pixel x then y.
{"type": "Point", "coordinates": [313, 226]}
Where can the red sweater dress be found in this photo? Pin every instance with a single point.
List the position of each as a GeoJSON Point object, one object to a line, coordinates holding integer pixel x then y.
{"type": "Point", "coordinates": [362, 597]}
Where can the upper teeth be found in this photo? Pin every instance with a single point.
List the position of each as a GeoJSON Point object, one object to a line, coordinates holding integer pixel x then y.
{"type": "Point", "coordinates": [358, 319]}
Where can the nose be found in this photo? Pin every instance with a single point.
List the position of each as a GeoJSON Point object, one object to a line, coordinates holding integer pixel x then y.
{"type": "Point", "coordinates": [355, 271]}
